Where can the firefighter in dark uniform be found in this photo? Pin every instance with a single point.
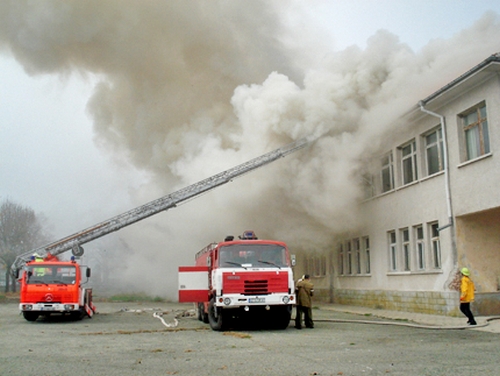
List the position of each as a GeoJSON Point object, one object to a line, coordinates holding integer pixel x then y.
{"type": "Point", "coordinates": [305, 291]}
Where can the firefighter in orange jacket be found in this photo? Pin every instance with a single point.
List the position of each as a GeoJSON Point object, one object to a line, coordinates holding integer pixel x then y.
{"type": "Point", "coordinates": [305, 291]}
{"type": "Point", "coordinates": [467, 295]}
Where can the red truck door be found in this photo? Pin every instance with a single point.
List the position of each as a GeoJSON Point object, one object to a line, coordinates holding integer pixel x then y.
{"type": "Point", "coordinates": [193, 284]}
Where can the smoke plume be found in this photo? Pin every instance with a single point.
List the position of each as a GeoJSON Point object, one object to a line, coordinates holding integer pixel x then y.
{"type": "Point", "coordinates": [186, 89]}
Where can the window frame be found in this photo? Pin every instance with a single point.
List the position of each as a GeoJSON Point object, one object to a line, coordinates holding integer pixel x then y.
{"type": "Point", "coordinates": [387, 163]}
{"type": "Point", "coordinates": [393, 250]}
{"type": "Point", "coordinates": [482, 144]}
{"type": "Point", "coordinates": [349, 258]}
{"type": "Point", "coordinates": [437, 144]}
{"type": "Point", "coordinates": [357, 255]}
{"type": "Point", "coordinates": [366, 250]}
{"type": "Point", "coordinates": [405, 248]}
{"type": "Point", "coordinates": [408, 156]}
{"type": "Point", "coordinates": [341, 259]}
{"type": "Point", "coordinates": [435, 245]}
{"type": "Point", "coordinates": [419, 236]}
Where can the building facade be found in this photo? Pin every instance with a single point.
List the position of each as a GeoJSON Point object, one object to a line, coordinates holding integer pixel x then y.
{"type": "Point", "coordinates": [432, 206]}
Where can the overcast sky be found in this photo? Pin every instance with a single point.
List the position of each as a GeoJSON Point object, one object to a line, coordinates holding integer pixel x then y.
{"type": "Point", "coordinates": [49, 157]}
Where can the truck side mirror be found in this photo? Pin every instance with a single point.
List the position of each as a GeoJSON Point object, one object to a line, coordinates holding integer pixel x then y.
{"type": "Point", "coordinates": [88, 272]}
{"type": "Point", "coordinates": [294, 261]}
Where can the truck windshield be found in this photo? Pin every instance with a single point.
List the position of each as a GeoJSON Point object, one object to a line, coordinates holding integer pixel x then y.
{"type": "Point", "coordinates": [50, 274]}
{"type": "Point", "coordinates": [253, 255]}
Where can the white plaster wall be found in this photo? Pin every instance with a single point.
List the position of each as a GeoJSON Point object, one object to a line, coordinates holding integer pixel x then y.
{"type": "Point", "coordinates": [474, 187]}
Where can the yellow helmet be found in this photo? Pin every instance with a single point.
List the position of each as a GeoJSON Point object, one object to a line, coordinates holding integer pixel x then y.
{"type": "Point", "coordinates": [465, 271]}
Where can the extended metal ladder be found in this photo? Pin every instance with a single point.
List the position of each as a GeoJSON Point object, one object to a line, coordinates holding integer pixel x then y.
{"type": "Point", "coordinates": [74, 242]}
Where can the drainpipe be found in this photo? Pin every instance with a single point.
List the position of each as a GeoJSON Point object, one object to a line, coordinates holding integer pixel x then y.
{"type": "Point", "coordinates": [446, 179]}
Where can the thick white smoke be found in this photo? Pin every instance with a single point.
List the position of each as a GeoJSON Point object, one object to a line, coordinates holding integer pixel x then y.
{"type": "Point", "coordinates": [187, 89]}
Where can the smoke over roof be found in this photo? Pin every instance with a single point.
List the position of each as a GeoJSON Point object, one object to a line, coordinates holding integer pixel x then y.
{"type": "Point", "coordinates": [187, 89]}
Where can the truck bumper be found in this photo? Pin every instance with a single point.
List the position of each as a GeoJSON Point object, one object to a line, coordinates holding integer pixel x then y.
{"type": "Point", "coordinates": [236, 300]}
{"type": "Point", "coordinates": [49, 307]}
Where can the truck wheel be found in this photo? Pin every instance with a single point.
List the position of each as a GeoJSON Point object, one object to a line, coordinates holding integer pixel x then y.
{"type": "Point", "coordinates": [78, 315]}
{"type": "Point", "coordinates": [282, 318]}
{"type": "Point", "coordinates": [216, 323]}
{"type": "Point", "coordinates": [30, 316]}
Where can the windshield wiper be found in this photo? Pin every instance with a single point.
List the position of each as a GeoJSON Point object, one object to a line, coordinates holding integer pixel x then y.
{"type": "Point", "coordinates": [60, 282]}
{"type": "Point", "coordinates": [37, 281]}
{"type": "Point", "coordinates": [269, 263]}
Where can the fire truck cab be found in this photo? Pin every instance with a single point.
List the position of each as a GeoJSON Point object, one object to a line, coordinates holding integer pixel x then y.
{"type": "Point", "coordinates": [50, 286]}
{"type": "Point", "coordinates": [244, 279]}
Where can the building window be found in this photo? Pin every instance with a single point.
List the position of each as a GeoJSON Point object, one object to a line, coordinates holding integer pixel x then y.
{"type": "Point", "coordinates": [316, 265]}
{"type": "Point", "coordinates": [391, 235]}
{"type": "Point", "coordinates": [368, 185]}
{"type": "Point", "coordinates": [357, 252]}
{"type": "Point", "coordinates": [321, 266]}
{"type": "Point", "coordinates": [409, 162]}
{"type": "Point", "coordinates": [387, 173]}
{"type": "Point", "coordinates": [475, 131]}
{"type": "Point", "coordinates": [366, 244]}
{"type": "Point", "coordinates": [349, 257]}
{"type": "Point", "coordinates": [435, 245]}
{"type": "Point", "coordinates": [434, 152]}
{"type": "Point", "coordinates": [420, 247]}
{"type": "Point", "coordinates": [341, 259]}
{"type": "Point", "coordinates": [405, 236]}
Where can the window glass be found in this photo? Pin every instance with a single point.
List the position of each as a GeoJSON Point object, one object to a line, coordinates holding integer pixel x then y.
{"type": "Point", "coordinates": [476, 133]}
{"type": "Point", "coordinates": [434, 152]}
{"type": "Point", "coordinates": [387, 173]}
{"type": "Point", "coordinates": [409, 162]}
{"type": "Point", "coordinates": [393, 250]}
{"type": "Point", "coordinates": [435, 245]}
{"type": "Point", "coordinates": [367, 255]}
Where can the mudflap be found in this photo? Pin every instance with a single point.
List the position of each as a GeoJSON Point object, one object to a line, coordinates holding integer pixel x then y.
{"type": "Point", "coordinates": [89, 306]}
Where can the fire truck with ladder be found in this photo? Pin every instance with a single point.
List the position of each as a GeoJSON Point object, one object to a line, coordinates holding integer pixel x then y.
{"type": "Point", "coordinates": [38, 295]}
{"type": "Point", "coordinates": [241, 281]}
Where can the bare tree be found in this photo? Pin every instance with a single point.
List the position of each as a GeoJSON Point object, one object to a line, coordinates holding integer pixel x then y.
{"type": "Point", "coordinates": [20, 231]}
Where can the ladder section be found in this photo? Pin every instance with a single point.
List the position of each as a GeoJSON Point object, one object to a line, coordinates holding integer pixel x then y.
{"type": "Point", "coordinates": [74, 242]}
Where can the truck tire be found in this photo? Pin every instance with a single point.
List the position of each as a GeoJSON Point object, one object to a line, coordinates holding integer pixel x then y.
{"type": "Point", "coordinates": [78, 315]}
{"type": "Point", "coordinates": [30, 316]}
{"type": "Point", "coordinates": [216, 323]}
{"type": "Point", "coordinates": [282, 317]}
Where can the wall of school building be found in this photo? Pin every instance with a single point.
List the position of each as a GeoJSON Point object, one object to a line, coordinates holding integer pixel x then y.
{"type": "Point", "coordinates": [360, 270]}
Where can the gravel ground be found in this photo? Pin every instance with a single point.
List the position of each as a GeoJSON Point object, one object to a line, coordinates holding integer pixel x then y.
{"type": "Point", "coordinates": [127, 339]}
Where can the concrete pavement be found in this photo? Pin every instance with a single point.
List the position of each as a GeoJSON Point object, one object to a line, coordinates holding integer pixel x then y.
{"type": "Point", "coordinates": [421, 320]}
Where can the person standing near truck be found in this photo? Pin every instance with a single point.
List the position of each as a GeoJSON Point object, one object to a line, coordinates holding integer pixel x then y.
{"type": "Point", "coordinates": [305, 292]}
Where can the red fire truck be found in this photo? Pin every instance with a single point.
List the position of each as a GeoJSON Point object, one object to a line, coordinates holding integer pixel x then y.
{"type": "Point", "coordinates": [247, 280]}
{"type": "Point", "coordinates": [50, 286]}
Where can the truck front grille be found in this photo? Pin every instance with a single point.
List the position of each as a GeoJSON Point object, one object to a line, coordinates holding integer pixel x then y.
{"type": "Point", "coordinates": [259, 287]}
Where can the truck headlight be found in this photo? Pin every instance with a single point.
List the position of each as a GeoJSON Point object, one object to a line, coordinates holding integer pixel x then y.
{"type": "Point", "coordinates": [285, 299]}
{"type": "Point", "coordinates": [227, 301]}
